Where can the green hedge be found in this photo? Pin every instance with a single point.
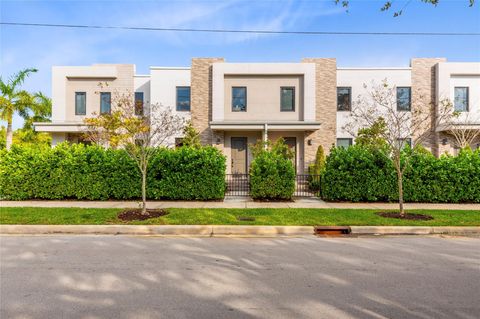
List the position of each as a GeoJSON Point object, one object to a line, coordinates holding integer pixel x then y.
{"type": "Point", "coordinates": [360, 174]}
{"type": "Point", "coordinates": [272, 176]}
{"type": "Point", "coordinates": [93, 173]}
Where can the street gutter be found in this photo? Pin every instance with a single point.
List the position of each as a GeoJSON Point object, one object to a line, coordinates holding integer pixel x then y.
{"type": "Point", "coordinates": [225, 230]}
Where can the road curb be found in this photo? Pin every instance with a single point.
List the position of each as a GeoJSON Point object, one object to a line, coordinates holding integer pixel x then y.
{"type": "Point", "coordinates": [414, 230]}
{"type": "Point", "coordinates": [224, 230]}
{"type": "Point", "coordinates": [162, 230]}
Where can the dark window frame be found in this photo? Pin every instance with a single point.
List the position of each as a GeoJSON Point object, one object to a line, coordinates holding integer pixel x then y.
{"type": "Point", "coordinates": [349, 100]}
{"type": "Point", "coordinates": [139, 111]}
{"type": "Point", "coordinates": [110, 102]}
{"type": "Point", "coordinates": [293, 98]}
{"type": "Point", "coordinates": [189, 98]}
{"type": "Point", "coordinates": [468, 98]}
{"type": "Point", "coordinates": [409, 99]}
{"type": "Point", "coordinates": [246, 94]}
{"type": "Point", "coordinates": [85, 99]}
{"type": "Point", "coordinates": [344, 138]}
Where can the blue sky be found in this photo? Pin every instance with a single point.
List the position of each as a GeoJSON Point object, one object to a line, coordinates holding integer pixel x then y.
{"type": "Point", "coordinates": [22, 47]}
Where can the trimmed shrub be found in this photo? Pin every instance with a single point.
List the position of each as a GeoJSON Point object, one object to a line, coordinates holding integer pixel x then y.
{"type": "Point", "coordinates": [187, 173]}
{"type": "Point", "coordinates": [93, 173]}
{"type": "Point", "coordinates": [362, 174]}
{"type": "Point", "coordinates": [272, 175]}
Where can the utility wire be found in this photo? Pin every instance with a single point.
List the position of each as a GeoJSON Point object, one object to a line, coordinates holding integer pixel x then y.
{"type": "Point", "coordinates": [80, 26]}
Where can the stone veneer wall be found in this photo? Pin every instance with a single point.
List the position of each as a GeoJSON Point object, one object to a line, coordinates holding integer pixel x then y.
{"type": "Point", "coordinates": [201, 100]}
{"type": "Point", "coordinates": [424, 96]}
{"type": "Point", "coordinates": [326, 107]}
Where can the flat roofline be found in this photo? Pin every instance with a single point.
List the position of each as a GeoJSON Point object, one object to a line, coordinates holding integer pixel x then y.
{"type": "Point", "coordinates": [374, 68]}
{"type": "Point", "coordinates": [169, 68]}
{"type": "Point", "coordinates": [141, 75]}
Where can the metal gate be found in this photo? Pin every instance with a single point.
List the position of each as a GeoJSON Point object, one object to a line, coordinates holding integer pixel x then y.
{"type": "Point", "coordinates": [305, 185]}
{"type": "Point", "coordinates": [237, 185]}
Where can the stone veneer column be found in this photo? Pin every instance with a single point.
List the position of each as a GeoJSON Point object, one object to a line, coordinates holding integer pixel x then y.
{"type": "Point", "coordinates": [326, 107]}
{"type": "Point", "coordinates": [424, 96]}
{"type": "Point", "coordinates": [201, 99]}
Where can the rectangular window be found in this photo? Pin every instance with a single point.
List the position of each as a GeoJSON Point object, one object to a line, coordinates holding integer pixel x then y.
{"type": "Point", "coordinates": [105, 102]}
{"type": "Point", "coordinates": [344, 142]}
{"type": "Point", "coordinates": [80, 103]}
{"type": "Point", "coordinates": [344, 98]}
{"type": "Point", "coordinates": [138, 103]}
{"type": "Point", "coordinates": [239, 99]}
{"type": "Point", "coordinates": [461, 99]}
{"type": "Point", "coordinates": [404, 98]}
{"type": "Point", "coordinates": [287, 99]}
{"type": "Point", "coordinates": [183, 98]}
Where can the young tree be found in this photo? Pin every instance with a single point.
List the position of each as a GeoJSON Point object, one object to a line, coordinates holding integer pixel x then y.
{"type": "Point", "coordinates": [464, 127]}
{"type": "Point", "coordinates": [319, 165]}
{"type": "Point", "coordinates": [15, 100]}
{"type": "Point", "coordinates": [138, 135]}
{"type": "Point", "coordinates": [377, 110]}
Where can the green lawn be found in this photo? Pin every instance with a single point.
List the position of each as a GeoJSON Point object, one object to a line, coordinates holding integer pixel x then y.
{"type": "Point", "coordinates": [221, 216]}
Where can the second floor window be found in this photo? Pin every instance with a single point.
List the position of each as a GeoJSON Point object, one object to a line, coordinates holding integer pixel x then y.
{"type": "Point", "coordinates": [344, 99]}
{"type": "Point", "coordinates": [461, 99]}
{"type": "Point", "coordinates": [404, 98]}
{"type": "Point", "coordinates": [239, 99]}
{"type": "Point", "coordinates": [105, 102]}
{"type": "Point", "coordinates": [183, 98]}
{"type": "Point", "coordinates": [287, 99]}
{"type": "Point", "coordinates": [80, 103]}
{"type": "Point", "coordinates": [138, 103]}
{"type": "Point", "coordinates": [344, 142]}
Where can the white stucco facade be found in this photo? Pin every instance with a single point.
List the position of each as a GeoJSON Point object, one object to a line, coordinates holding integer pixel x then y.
{"type": "Point", "coordinates": [358, 78]}
{"type": "Point", "coordinates": [263, 116]}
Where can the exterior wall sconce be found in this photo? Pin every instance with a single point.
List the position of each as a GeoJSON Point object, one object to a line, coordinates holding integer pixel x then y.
{"type": "Point", "coordinates": [309, 142]}
{"type": "Point", "coordinates": [444, 141]}
{"type": "Point", "coordinates": [218, 140]}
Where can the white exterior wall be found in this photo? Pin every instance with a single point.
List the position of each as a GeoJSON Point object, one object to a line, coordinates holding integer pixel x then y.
{"type": "Point", "coordinates": [163, 83]}
{"type": "Point", "coordinates": [464, 74]}
{"type": "Point", "coordinates": [356, 78]}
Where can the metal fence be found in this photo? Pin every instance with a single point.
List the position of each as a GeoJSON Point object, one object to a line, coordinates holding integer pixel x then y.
{"type": "Point", "coordinates": [237, 185]}
{"type": "Point", "coordinates": [305, 185]}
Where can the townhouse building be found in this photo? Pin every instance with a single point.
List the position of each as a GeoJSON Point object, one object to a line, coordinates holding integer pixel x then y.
{"type": "Point", "coordinates": [233, 105]}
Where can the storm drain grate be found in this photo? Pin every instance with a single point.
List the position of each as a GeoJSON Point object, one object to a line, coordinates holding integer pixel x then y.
{"type": "Point", "coordinates": [332, 230]}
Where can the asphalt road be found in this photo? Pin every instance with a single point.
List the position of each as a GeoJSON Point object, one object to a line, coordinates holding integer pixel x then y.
{"type": "Point", "coordinates": [148, 277]}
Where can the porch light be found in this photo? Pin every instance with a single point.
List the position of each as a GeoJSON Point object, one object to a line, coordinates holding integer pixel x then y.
{"type": "Point", "coordinates": [309, 142]}
{"type": "Point", "coordinates": [218, 140]}
{"type": "Point", "coordinates": [444, 141]}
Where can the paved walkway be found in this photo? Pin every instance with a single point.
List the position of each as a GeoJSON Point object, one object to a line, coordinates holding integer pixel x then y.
{"type": "Point", "coordinates": [234, 203]}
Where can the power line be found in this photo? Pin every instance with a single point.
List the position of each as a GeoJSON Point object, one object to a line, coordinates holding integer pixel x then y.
{"type": "Point", "coordinates": [80, 26]}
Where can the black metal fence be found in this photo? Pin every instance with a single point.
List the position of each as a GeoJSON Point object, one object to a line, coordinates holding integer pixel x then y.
{"type": "Point", "coordinates": [237, 185]}
{"type": "Point", "coordinates": [305, 185]}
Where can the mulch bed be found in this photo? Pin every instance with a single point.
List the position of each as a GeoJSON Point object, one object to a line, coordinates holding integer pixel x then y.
{"type": "Point", "coordinates": [136, 214]}
{"type": "Point", "coordinates": [407, 216]}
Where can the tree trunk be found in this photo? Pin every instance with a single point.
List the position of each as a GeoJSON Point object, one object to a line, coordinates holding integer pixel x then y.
{"type": "Point", "coordinates": [9, 133]}
{"type": "Point", "coordinates": [144, 191]}
{"type": "Point", "coordinates": [400, 192]}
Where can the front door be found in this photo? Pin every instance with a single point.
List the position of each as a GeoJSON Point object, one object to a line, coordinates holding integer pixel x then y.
{"type": "Point", "coordinates": [291, 142]}
{"type": "Point", "coordinates": [239, 155]}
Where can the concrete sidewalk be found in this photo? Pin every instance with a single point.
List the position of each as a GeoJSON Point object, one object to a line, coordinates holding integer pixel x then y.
{"type": "Point", "coordinates": [235, 203]}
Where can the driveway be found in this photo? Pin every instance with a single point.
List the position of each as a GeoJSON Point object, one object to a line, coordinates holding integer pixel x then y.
{"type": "Point", "coordinates": [149, 277]}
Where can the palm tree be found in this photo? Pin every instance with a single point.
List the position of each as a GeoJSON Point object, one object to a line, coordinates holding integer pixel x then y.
{"type": "Point", "coordinates": [14, 99]}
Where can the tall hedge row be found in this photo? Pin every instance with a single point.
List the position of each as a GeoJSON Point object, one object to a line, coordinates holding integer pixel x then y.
{"type": "Point", "coordinates": [360, 174]}
{"type": "Point", "coordinates": [93, 173]}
